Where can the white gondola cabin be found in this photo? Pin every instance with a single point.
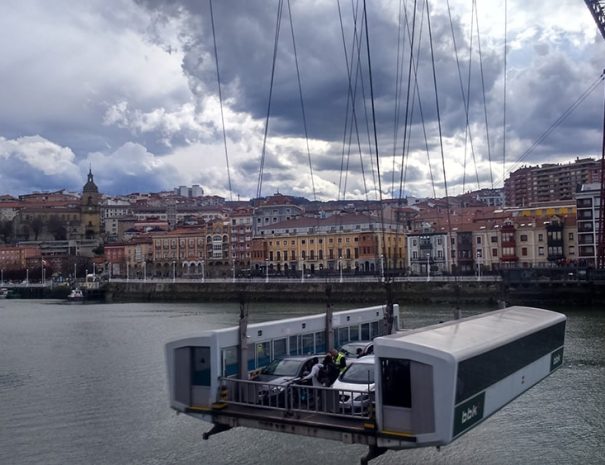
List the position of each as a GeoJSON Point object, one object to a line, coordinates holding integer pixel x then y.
{"type": "Point", "coordinates": [197, 365]}
{"type": "Point", "coordinates": [435, 383]}
{"type": "Point", "coordinates": [432, 384]}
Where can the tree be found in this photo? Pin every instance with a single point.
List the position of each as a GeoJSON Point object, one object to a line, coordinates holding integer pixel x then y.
{"type": "Point", "coordinates": [6, 230]}
{"type": "Point", "coordinates": [56, 227]}
{"type": "Point", "coordinates": [36, 225]}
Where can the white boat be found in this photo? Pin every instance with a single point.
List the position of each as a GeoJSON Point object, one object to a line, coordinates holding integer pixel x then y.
{"type": "Point", "coordinates": [76, 295]}
{"type": "Point", "coordinates": [3, 293]}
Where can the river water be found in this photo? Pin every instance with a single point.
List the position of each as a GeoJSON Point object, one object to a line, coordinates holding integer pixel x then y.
{"type": "Point", "coordinates": [86, 385]}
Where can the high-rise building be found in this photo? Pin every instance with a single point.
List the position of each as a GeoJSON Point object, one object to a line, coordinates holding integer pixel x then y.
{"type": "Point", "coordinates": [549, 182]}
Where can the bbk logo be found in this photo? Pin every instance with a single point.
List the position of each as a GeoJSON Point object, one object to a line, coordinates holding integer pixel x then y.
{"type": "Point", "coordinates": [556, 359]}
{"type": "Point", "coordinates": [470, 413]}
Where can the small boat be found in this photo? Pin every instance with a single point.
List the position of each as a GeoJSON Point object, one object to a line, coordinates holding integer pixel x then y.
{"type": "Point", "coordinates": [3, 293]}
{"type": "Point", "coordinates": [76, 295]}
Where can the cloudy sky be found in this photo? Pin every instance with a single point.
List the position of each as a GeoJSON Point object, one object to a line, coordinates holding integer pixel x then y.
{"type": "Point", "coordinates": [130, 89]}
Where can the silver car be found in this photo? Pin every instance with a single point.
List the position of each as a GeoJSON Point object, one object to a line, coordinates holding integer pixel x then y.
{"type": "Point", "coordinates": [356, 385]}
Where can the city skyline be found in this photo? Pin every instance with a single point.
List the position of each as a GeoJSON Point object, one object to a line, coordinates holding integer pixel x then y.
{"type": "Point", "coordinates": [134, 95]}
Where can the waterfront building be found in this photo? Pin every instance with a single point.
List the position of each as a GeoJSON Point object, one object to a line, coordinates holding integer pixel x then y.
{"type": "Point", "coordinates": [588, 200]}
{"type": "Point", "coordinates": [273, 210]}
{"type": "Point", "coordinates": [139, 258]}
{"type": "Point", "coordinates": [351, 242]}
{"type": "Point", "coordinates": [428, 252]}
{"type": "Point", "coordinates": [16, 256]}
{"type": "Point", "coordinates": [241, 237]}
{"type": "Point", "coordinates": [192, 251]}
{"type": "Point", "coordinates": [549, 182]}
{"type": "Point", "coordinates": [116, 259]}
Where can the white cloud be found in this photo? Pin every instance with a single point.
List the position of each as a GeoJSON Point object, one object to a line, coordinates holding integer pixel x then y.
{"type": "Point", "coordinates": [33, 162]}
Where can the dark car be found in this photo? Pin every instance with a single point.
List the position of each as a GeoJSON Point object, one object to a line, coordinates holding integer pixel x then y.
{"type": "Point", "coordinates": [279, 373]}
{"type": "Point", "coordinates": [350, 349]}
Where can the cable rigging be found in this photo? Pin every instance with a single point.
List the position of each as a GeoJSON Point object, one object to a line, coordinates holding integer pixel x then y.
{"type": "Point", "coordinates": [489, 151]}
{"type": "Point", "coordinates": [302, 105]}
{"type": "Point", "coordinates": [220, 97]}
{"type": "Point", "coordinates": [263, 152]}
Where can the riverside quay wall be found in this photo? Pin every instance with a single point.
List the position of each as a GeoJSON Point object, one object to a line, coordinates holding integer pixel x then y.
{"type": "Point", "coordinates": [456, 293]}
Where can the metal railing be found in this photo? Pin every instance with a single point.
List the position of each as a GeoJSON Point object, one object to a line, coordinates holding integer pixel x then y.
{"type": "Point", "coordinates": [293, 397]}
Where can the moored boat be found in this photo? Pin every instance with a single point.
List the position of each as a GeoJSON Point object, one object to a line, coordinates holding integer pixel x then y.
{"type": "Point", "coordinates": [76, 295]}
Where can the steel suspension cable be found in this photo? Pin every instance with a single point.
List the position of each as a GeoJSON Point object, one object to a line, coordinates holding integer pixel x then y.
{"type": "Point", "coordinates": [263, 153]}
{"type": "Point", "coordinates": [220, 97]}
{"type": "Point", "coordinates": [489, 151]}
{"type": "Point", "coordinates": [407, 104]}
{"type": "Point", "coordinates": [558, 121]}
{"type": "Point", "coordinates": [447, 199]}
{"type": "Point", "coordinates": [365, 15]}
{"type": "Point", "coordinates": [302, 105]}
{"type": "Point", "coordinates": [504, 92]}
{"type": "Point", "coordinates": [464, 96]}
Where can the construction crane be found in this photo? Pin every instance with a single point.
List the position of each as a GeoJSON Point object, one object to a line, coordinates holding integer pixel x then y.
{"type": "Point", "coordinates": [597, 9]}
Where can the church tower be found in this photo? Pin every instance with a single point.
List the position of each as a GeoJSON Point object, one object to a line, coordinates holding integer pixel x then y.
{"type": "Point", "coordinates": [90, 209]}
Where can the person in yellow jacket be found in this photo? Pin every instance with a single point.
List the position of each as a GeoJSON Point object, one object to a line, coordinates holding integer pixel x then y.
{"type": "Point", "coordinates": [340, 359]}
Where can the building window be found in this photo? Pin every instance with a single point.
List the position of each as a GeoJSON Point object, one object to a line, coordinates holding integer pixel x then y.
{"type": "Point", "coordinates": [494, 252]}
{"type": "Point", "coordinates": [541, 251]}
{"type": "Point", "coordinates": [540, 237]}
{"type": "Point", "coordinates": [524, 251]}
{"type": "Point", "coordinates": [523, 237]}
{"type": "Point", "coordinates": [494, 239]}
{"type": "Point", "coordinates": [570, 236]}
{"type": "Point", "coordinates": [478, 240]}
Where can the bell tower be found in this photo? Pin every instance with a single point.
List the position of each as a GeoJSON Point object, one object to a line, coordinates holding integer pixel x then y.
{"type": "Point", "coordinates": [90, 211]}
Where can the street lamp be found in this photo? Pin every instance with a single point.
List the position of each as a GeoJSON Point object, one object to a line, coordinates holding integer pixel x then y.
{"type": "Point", "coordinates": [382, 268]}
{"type": "Point", "coordinates": [127, 271]}
{"type": "Point", "coordinates": [233, 270]}
{"type": "Point", "coordinates": [2, 277]}
{"type": "Point", "coordinates": [340, 266]}
{"type": "Point", "coordinates": [302, 271]}
{"type": "Point", "coordinates": [428, 267]}
{"type": "Point", "coordinates": [478, 266]}
{"type": "Point", "coordinates": [266, 270]}
{"type": "Point", "coordinates": [144, 270]}
{"type": "Point", "coordinates": [109, 271]}
{"type": "Point", "coordinates": [27, 276]}
{"type": "Point", "coordinates": [94, 270]}
{"type": "Point", "coordinates": [173, 271]}
{"type": "Point", "coordinates": [203, 272]}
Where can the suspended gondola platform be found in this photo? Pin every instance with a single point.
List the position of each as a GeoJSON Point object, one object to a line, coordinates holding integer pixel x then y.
{"type": "Point", "coordinates": [430, 385]}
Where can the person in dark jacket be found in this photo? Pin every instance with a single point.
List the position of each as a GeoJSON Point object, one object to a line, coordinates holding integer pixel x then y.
{"type": "Point", "coordinates": [331, 371]}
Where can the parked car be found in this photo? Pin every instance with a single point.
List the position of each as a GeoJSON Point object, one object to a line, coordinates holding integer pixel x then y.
{"type": "Point", "coordinates": [356, 385]}
{"type": "Point", "coordinates": [279, 373]}
{"type": "Point", "coordinates": [350, 349]}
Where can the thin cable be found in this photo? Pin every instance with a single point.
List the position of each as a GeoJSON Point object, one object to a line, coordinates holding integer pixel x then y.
{"type": "Point", "coordinates": [504, 92]}
{"type": "Point", "coordinates": [398, 84]}
{"type": "Point", "coordinates": [365, 15]}
{"type": "Point", "coordinates": [220, 98]}
{"type": "Point", "coordinates": [263, 153]}
{"type": "Point", "coordinates": [468, 94]}
{"type": "Point", "coordinates": [447, 199]}
{"type": "Point", "coordinates": [557, 122]}
{"type": "Point", "coordinates": [407, 103]}
{"type": "Point", "coordinates": [464, 96]}
{"type": "Point", "coordinates": [489, 152]}
{"type": "Point", "coordinates": [302, 105]}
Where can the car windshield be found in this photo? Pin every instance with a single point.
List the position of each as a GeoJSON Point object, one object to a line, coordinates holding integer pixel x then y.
{"type": "Point", "coordinates": [283, 367]}
{"type": "Point", "coordinates": [351, 348]}
{"type": "Point", "coordinates": [359, 373]}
